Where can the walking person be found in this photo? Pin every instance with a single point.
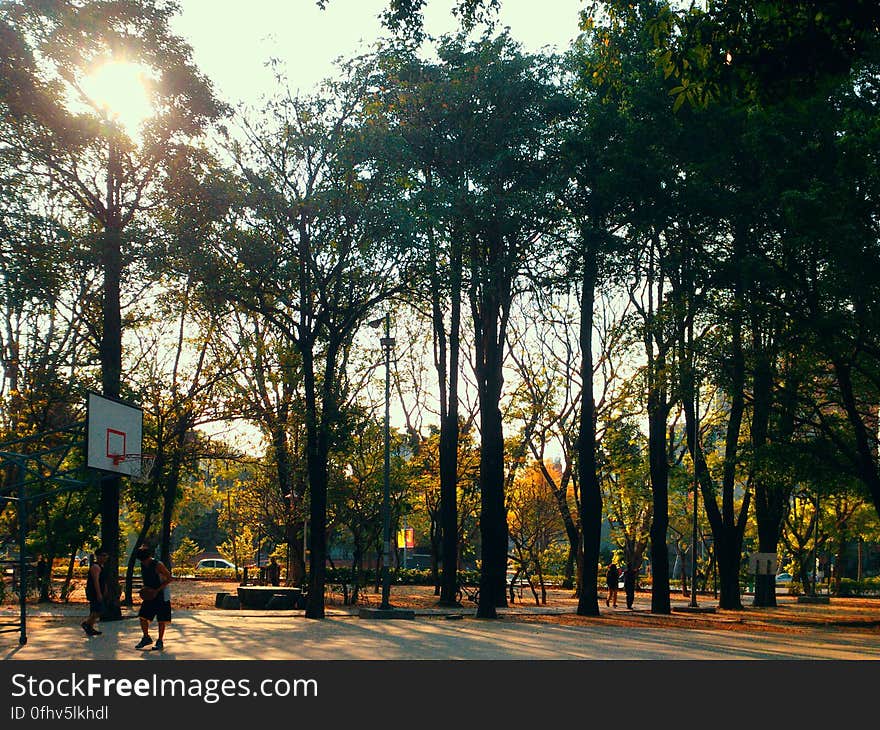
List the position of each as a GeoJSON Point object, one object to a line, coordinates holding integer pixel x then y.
{"type": "Point", "coordinates": [95, 589]}
{"type": "Point", "coordinates": [612, 575]}
{"type": "Point", "coordinates": [156, 596]}
{"type": "Point", "coordinates": [629, 586]}
{"type": "Point", "coordinates": [44, 579]}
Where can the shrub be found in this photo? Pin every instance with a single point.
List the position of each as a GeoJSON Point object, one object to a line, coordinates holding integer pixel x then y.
{"type": "Point", "coordinates": [414, 576]}
{"type": "Point", "coordinates": [864, 587]}
{"type": "Point", "coordinates": [79, 571]}
{"type": "Point", "coordinates": [186, 553]}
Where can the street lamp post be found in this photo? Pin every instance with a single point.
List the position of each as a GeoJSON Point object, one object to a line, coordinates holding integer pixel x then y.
{"type": "Point", "coordinates": [815, 590]}
{"type": "Point", "coordinates": [693, 602]}
{"type": "Point", "coordinates": [288, 531]}
{"type": "Point", "coordinates": [387, 343]}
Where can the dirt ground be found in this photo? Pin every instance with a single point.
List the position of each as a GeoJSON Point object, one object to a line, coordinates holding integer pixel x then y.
{"type": "Point", "coordinates": [851, 614]}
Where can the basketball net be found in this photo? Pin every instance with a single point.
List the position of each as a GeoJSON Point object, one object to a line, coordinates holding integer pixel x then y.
{"type": "Point", "coordinates": [141, 465]}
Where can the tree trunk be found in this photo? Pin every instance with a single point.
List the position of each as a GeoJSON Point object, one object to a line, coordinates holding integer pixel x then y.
{"type": "Point", "coordinates": [449, 505]}
{"type": "Point", "coordinates": [659, 470]}
{"type": "Point", "coordinates": [865, 441]}
{"type": "Point", "coordinates": [488, 303]}
{"type": "Point", "coordinates": [493, 522]}
{"type": "Point", "coordinates": [771, 498]}
{"type": "Point", "coordinates": [316, 464]}
{"type": "Point", "coordinates": [591, 490]}
{"type": "Point", "coordinates": [447, 373]}
{"type": "Point", "coordinates": [493, 519]}
{"type": "Point", "coordinates": [169, 497]}
{"type": "Point", "coordinates": [110, 355]}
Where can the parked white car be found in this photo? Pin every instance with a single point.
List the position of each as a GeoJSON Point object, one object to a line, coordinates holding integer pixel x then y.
{"type": "Point", "coordinates": [214, 563]}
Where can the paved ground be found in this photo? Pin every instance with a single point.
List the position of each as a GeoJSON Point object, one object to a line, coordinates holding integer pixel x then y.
{"type": "Point", "coordinates": [824, 649]}
{"type": "Point", "coordinates": [523, 633]}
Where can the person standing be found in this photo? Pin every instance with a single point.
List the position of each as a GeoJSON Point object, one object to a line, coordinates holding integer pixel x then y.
{"type": "Point", "coordinates": [612, 575]}
{"type": "Point", "coordinates": [629, 586]}
{"type": "Point", "coordinates": [43, 579]}
{"type": "Point", "coordinates": [156, 596]}
{"type": "Point", "coordinates": [95, 588]}
{"type": "Point", "coordinates": [274, 572]}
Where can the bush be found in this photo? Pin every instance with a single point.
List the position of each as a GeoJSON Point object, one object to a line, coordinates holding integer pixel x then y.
{"type": "Point", "coordinates": [186, 554]}
{"type": "Point", "coordinates": [79, 571]}
{"type": "Point", "coordinates": [408, 576]}
{"type": "Point", "coordinates": [414, 576]}
{"type": "Point", "coordinates": [864, 587]}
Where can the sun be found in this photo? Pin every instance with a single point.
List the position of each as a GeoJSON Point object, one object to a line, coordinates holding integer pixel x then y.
{"type": "Point", "coordinates": [119, 90]}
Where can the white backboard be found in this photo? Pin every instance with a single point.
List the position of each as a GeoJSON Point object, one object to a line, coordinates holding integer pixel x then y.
{"type": "Point", "coordinates": [113, 430]}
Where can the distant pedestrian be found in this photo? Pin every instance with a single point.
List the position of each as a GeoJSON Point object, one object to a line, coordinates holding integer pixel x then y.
{"type": "Point", "coordinates": [95, 592]}
{"type": "Point", "coordinates": [629, 585]}
{"type": "Point", "coordinates": [612, 575]}
{"type": "Point", "coordinates": [43, 579]}
{"type": "Point", "coordinates": [156, 595]}
{"type": "Point", "coordinates": [274, 572]}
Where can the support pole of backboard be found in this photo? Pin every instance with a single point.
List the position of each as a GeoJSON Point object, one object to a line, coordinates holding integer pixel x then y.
{"type": "Point", "coordinates": [22, 560]}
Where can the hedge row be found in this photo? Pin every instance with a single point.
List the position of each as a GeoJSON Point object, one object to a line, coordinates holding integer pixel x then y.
{"type": "Point", "coordinates": [864, 587]}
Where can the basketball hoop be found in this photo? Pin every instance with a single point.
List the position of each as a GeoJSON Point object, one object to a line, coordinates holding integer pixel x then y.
{"type": "Point", "coordinates": [141, 465]}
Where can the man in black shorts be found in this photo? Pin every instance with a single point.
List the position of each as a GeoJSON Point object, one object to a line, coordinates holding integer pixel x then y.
{"type": "Point", "coordinates": [95, 588]}
{"type": "Point", "coordinates": [156, 596]}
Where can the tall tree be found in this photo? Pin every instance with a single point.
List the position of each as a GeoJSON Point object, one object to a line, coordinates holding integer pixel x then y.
{"type": "Point", "coordinates": [77, 139]}
{"type": "Point", "coordinates": [313, 254]}
{"type": "Point", "coordinates": [621, 60]}
{"type": "Point", "coordinates": [424, 109]}
{"type": "Point", "coordinates": [508, 105]}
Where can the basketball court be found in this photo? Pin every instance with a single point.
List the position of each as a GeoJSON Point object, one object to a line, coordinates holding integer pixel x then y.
{"type": "Point", "coordinates": [73, 457]}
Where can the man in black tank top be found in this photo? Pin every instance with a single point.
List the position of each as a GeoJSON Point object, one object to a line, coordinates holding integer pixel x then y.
{"type": "Point", "coordinates": [157, 598]}
{"type": "Point", "coordinates": [95, 588]}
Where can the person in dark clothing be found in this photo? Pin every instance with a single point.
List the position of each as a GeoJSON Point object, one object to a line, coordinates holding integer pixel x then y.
{"type": "Point", "coordinates": [95, 590]}
{"type": "Point", "coordinates": [273, 572]}
{"type": "Point", "coordinates": [629, 585]}
{"type": "Point", "coordinates": [612, 575]}
{"type": "Point", "coordinates": [43, 581]}
{"type": "Point", "coordinates": [156, 596]}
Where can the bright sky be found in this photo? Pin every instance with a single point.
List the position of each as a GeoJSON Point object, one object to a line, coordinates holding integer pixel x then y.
{"type": "Point", "coordinates": [232, 40]}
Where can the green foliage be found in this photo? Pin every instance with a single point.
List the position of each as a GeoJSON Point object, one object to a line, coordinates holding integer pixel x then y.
{"type": "Point", "coordinates": [185, 556]}
{"type": "Point", "coordinates": [79, 571]}
{"type": "Point", "coordinates": [345, 575]}
{"type": "Point", "coordinates": [238, 547]}
{"type": "Point", "coordinates": [554, 558]}
{"type": "Point", "coordinates": [760, 51]}
{"type": "Point", "coordinates": [414, 576]}
{"type": "Point", "coordinates": [865, 587]}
